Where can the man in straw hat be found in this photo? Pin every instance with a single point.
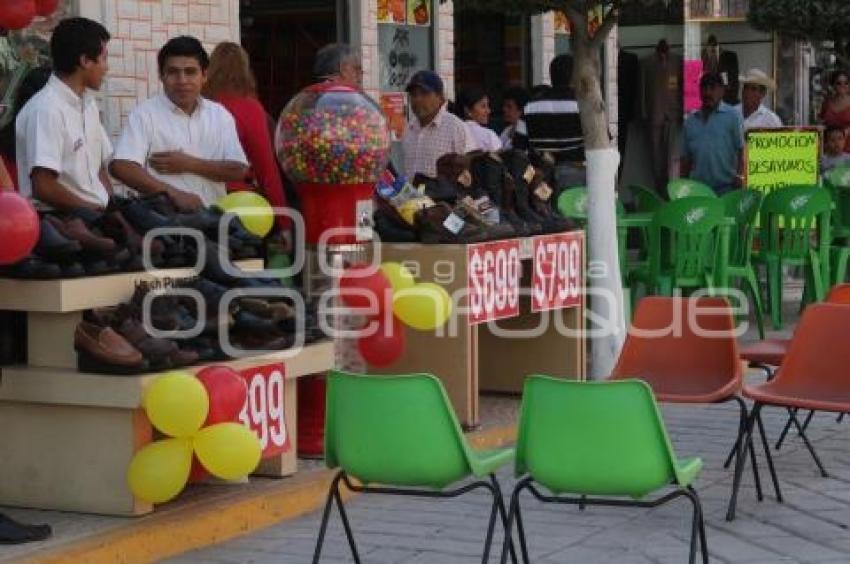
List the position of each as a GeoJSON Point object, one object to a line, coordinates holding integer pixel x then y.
{"type": "Point", "coordinates": [756, 115]}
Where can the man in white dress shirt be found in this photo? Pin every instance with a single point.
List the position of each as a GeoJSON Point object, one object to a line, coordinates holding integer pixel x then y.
{"type": "Point", "coordinates": [756, 83]}
{"type": "Point", "coordinates": [178, 142]}
{"type": "Point", "coordinates": [62, 149]}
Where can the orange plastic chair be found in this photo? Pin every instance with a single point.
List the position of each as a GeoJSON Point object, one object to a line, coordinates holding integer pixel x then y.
{"type": "Point", "coordinates": [806, 379]}
{"type": "Point", "coordinates": [686, 350]}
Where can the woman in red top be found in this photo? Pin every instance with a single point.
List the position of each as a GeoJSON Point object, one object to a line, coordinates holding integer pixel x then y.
{"type": "Point", "coordinates": [231, 83]}
{"type": "Point", "coordinates": [836, 108]}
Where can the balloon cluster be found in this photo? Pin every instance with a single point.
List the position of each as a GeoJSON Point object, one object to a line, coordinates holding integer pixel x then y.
{"type": "Point", "coordinates": [332, 138]}
{"type": "Point", "coordinates": [424, 307]}
{"type": "Point", "coordinates": [18, 14]}
{"type": "Point", "coordinates": [198, 416]}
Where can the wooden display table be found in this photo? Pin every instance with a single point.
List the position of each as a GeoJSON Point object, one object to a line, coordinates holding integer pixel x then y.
{"type": "Point", "coordinates": [67, 437]}
{"type": "Point", "coordinates": [492, 356]}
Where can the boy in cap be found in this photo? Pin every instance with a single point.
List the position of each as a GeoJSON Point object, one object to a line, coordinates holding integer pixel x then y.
{"type": "Point", "coordinates": [434, 131]}
{"type": "Point", "coordinates": [755, 114]}
{"type": "Point", "coordinates": [713, 140]}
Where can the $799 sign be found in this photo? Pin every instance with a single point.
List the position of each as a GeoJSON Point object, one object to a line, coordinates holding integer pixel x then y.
{"type": "Point", "coordinates": [557, 278]}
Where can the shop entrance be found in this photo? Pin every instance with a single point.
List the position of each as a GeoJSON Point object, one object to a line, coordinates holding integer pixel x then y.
{"type": "Point", "coordinates": [282, 39]}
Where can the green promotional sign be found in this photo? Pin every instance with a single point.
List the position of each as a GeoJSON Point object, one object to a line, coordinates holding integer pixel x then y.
{"type": "Point", "coordinates": [782, 157]}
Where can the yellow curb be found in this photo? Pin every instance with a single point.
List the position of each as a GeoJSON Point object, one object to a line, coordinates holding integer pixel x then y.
{"type": "Point", "coordinates": [207, 522]}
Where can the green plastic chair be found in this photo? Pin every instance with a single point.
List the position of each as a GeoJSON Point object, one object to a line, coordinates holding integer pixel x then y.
{"type": "Point", "coordinates": [683, 241]}
{"type": "Point", "coordinates": [401, 432]}
{"type": "Point", "coordinates": [837, 181]}
{"type": "Point", "coordinates": [743, 206]}
{"type": "Point", "coordinates": [646, 200]}
{"type": "Point", "coordinates": [679, 188]}
{"type": "Point", "coordinates": [572, 203]}
{"type": "Point", "coordinates": [597, 441]}
{"type": "Point", "coordinates": [795, 231]}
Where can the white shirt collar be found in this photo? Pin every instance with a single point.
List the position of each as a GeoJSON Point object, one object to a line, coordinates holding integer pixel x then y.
{"type": "Point", "coordinates": [172, 107]}
{"type": "Point", "coordinates": [65, 92]}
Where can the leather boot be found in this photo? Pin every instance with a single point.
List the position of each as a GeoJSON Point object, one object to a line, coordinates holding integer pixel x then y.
{"type": "Point", "coordinates": [522, 172]}
{"type": "Point", "coordinates": [490, 176]}
{"type": "Point", "coordinates": [434, 225]}
{"type": "Point", "coordinates": [541, 203]}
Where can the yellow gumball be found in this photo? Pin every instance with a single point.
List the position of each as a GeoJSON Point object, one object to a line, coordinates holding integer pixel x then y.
{"type": "Point", "coordinates": [399, 276]}
{"type": "Point", "coordinates": [424, 307]}
{"type": "Point", "coordinates": [160, 470]}
{"type": "Point", "coordinates": [253, 211]}
{"type": "Point", "coordinates": [176, 404]}
{"type": "Point", "coordinates": [228, 450]}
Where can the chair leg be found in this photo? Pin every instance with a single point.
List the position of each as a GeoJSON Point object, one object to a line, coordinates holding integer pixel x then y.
{"type": "Point", "coordinates": [756, 477]}
{"type": "Point", "coordinates": [494, 509]}
{"type": "Point", "coordinates": [349, 534]}
{"type": "Point", "coordinates": [333, 496]}
{"type": "Point", "coordinates": [514, 513]}
{"type": "Point", "coordinates": [753, 285]}
{"type": "Point", "coordinates": [699, 521]}
{"type": "Point", "coordinates": [742, 424]}
{"type": "Point", "coordinates": [801, 430]}
{"type": "Point", "coordinates": [520, 527]}
{"type": "Point", "coordinates": [769, 458]}
{"type": "Point", "coordinates": [785, 429]}
{"type": "Point", "coordinates": [740, 462]}
{"type": "Point", "coordinates": [503, 514]}
{"type": "Point", "coordinates": [774, 282]}
{"type": "Point", "coordinates": [840, 418]}
{"type": "Point", "coordinates": [808, 419]}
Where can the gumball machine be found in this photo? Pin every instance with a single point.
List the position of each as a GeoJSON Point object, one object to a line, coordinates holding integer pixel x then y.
{"type": "Point", "coordinates": [333, 143]}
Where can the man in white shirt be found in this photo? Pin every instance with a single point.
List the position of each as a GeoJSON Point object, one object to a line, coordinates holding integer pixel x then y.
{"type": "Point", "coordinates": [178, 142]}
{"type": "Point", "coordinates": [62, 148]}
{"type": "Point", "coordinates": [756, 83]}
{"type": "Point", "coordinates": [434, 131]}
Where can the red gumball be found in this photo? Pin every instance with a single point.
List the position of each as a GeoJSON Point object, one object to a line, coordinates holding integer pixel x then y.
{"type": "Point", "coordinates": [228, 393]}
{"type": "Point", "coordinates": [18, 227]}
{"type": "Point", "coordinates": [46, 7]}
{"type": "Point", "coordinates": [16, 14]}
{"type": "Point", "coordinates": [359, 283]}
{"type": "Point", "coordinates": [384, 346]}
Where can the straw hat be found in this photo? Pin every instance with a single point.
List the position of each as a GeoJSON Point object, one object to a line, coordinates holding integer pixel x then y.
{"type": "Point", "coordinates": [759, 78]}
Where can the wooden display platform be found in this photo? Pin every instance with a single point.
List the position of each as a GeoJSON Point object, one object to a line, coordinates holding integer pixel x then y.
{"type": "Point", "coordinates": [68, 437]}
{"type": "Point", "coordinates": [473, 358]}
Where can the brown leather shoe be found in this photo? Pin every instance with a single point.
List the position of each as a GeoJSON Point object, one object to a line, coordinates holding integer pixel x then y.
{"type": "Point", "coordinates": [434, 225]}
{"type": "Point", "coordinates": [156, 351]}
{"type": "Point", "coordinates": [116, 226]}
{"type": "Point", "coordinates": [76, 230]}
{"type": "Point", "coordinates": [102, 350]}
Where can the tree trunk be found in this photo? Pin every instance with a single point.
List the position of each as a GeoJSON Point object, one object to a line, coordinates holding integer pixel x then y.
{"type": "Point", "coordinates": [605, 288]}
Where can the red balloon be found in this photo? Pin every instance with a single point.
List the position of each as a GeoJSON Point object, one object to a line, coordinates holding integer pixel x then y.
{"type": "Point", "coordinates": [357, 285]}
{"type": "Point", "coordinates": [228, 393]}
{"type": "Point", "coordinates": [46, 7]}
{"type": "Point", "coordinates": [16, 14]}
{"type": "Point", "coordinates": [18, 227]}
{"type": "Point", "coordinates": [384, 346]}
{"type": "Point", "coordinates": [198, 473]}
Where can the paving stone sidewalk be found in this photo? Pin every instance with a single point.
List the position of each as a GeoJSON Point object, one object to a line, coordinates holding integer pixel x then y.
{"type": "Point", "coordinates": [811, 526]}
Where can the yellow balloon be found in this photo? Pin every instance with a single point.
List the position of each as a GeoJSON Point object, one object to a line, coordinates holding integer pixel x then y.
{"type": "Point", "coordinates": [399, 276]}
{"type": "Point", "coordinates": [425, 306]}
{"type": "Point", "coordinates": [160, 470]}
{"type": "Point", "coordinates": [253, 211]}
{"type": "Point", "coordinates": [176, 404]}
{"type": "Point", "coordinates": [228, 450]}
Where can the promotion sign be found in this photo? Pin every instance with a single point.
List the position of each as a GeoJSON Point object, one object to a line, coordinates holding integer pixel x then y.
{"type": "Point", "coordinates": [493, 273]}
{"type": "Point", "coordinates": [782, 157]}
{"type": "Point", "coordinates": [264, 410]}
{"type": "Point", "coordinates": [556, 282]}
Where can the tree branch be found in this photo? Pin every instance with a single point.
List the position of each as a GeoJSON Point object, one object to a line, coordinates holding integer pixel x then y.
{"type": "Point", "coordinates": [578, 22]}
{"type": "Point", "coordinates": [608, 24]}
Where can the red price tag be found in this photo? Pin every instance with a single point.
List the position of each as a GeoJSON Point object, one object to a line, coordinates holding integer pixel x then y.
{"type": "Point", "coordinates": [264, 410]}
{"type": "Point", "coordinates": [493, 271]}
{"type": "Point", "coordinates": [557, 279]}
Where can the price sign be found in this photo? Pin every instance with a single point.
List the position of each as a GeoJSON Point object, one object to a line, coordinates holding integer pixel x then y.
{"type": "Point", "coordinates": [493, 271]}
{"type": "Point", "coordinates": [264, 410]}
{"type": "Point", "coordinates": [557, 278]}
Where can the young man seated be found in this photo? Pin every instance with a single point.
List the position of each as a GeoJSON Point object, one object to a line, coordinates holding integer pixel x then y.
{"type": "Point", "coordinates": [179, 142]}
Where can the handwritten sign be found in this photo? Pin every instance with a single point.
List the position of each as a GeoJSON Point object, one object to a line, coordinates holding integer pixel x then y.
{"type": "Point", "coordinates": [782, 157]}
{"type": "Point", "coordinates": [264, 412]}
{"type": "Point", "coordinates": [493, 273]}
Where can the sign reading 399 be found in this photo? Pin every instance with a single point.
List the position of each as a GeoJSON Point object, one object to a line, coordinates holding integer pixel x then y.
{"type": "Point", "coordinates": [493, 273]}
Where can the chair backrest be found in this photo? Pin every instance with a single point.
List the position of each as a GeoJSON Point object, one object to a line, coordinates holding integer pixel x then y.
{"type": "Point", "coordinates": [743, 206]}
{"type": "Point", "coordinates": [687, 188]}
{"type": "Point", "coordinates": [791, 215]}
{"type": "Point", "coordinates": [837, 181]}
{"type": "Point", "coordinates": [839, 294]}
{"type": "Point", "coordinates": [595, 438]}
{"type": "Point", "coordinates": [572, 203]}
{"type": "Point", "coordinates": [646, 200]}
{"type": "Point", "coordinates": [687, 345]}
{"type": "Point", "coordinates": [806, 368]}
{"type": "Point", "coordinates": [684, 237]}
{"type": "Point", "coordinates": [396, 430]}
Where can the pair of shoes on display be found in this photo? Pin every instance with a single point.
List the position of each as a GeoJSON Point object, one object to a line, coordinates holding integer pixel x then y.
{"type": "Point", "coordinates": [14, 532]}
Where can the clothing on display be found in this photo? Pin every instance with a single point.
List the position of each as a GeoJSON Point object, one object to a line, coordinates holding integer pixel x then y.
{"type": "Point", "coordinates": [661, 106]}
{"type": "Point", "coordinates": [628, 81]}
{"type": "Point", "coordinates": [724, 62]}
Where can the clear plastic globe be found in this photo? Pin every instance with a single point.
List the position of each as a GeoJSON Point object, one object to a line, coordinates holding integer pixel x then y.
{"type": "Point", "coordinates": [332, 134]}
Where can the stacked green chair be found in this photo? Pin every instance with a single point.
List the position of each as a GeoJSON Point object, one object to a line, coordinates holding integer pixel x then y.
{"type": "Point", "coordinates": [679, 188]}
{"type": "Point", "coordinates": [572, 203]}
{"type": "Point", "coordinates": [684, 238]}
{"type": "Point", "coordinates": [837, 181]}
{"type": "Point", "coordinates": [743, 206]}
{"type": "Point", "coordinates": [795, 226]}
{"type": "Point", "coordinates": [401, 432]}
{"type": "Point", "coordinates": [646, 200]}
{"type": "Point", "coordinates": [598, 443]}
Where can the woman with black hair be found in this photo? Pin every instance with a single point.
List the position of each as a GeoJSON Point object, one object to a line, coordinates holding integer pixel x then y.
{"type": "Point", "coordinates": [513, 104]}
{"type": "Point", "coordinates": [473, 106]}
